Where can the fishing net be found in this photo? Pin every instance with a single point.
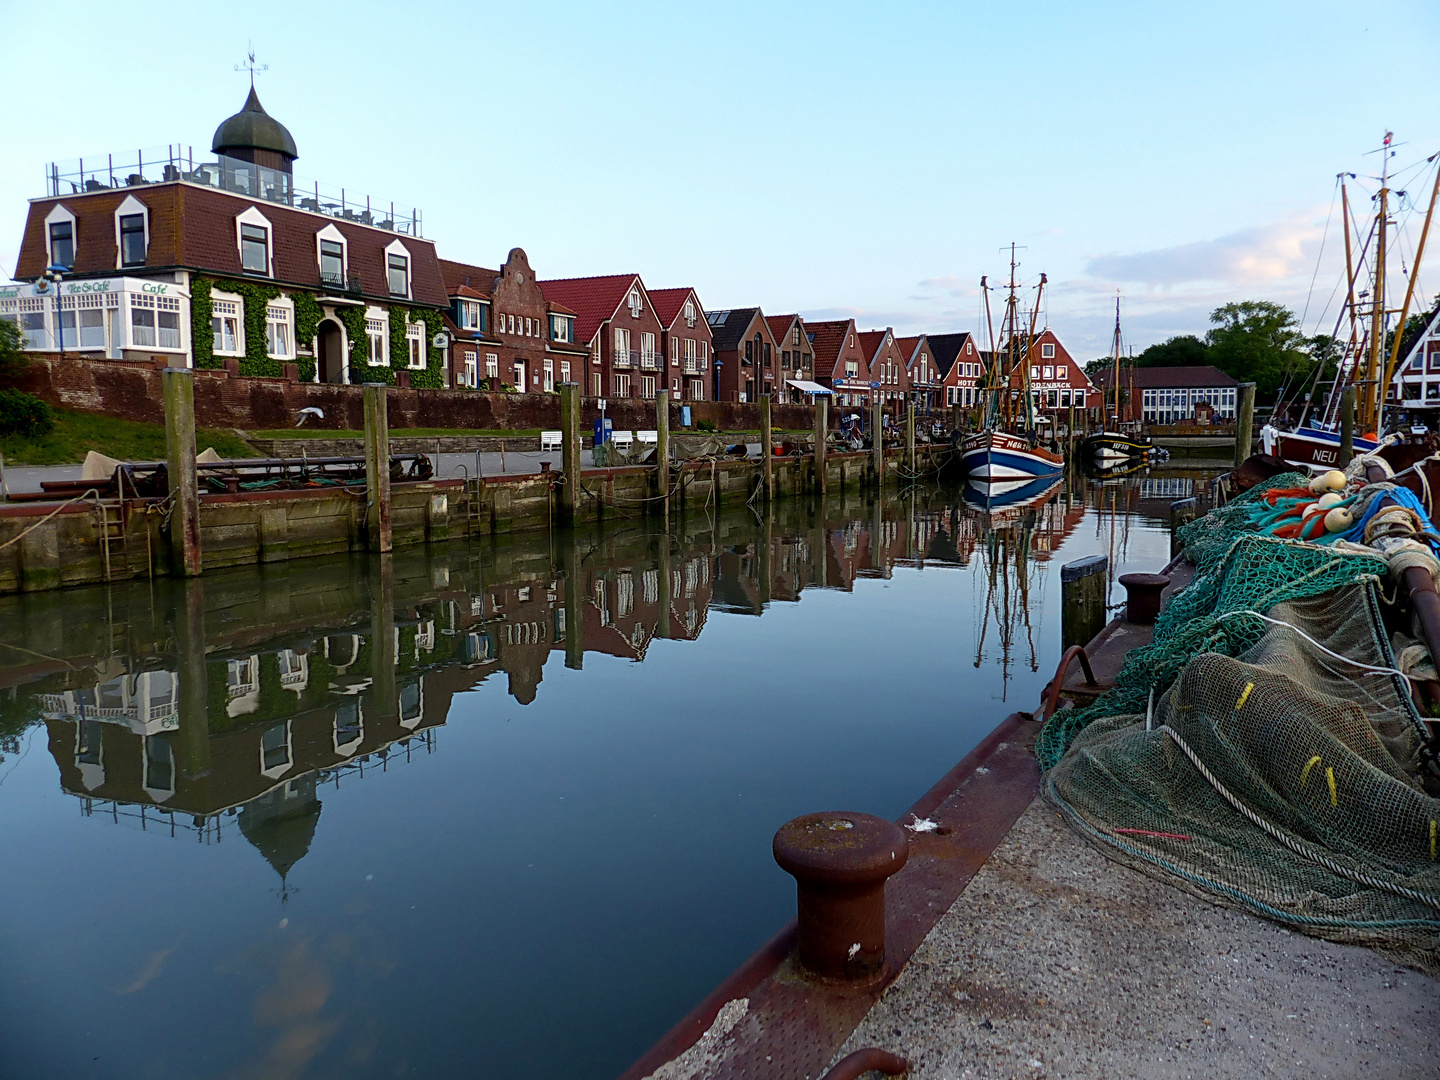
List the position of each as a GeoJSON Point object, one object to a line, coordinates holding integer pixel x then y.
{"type": "Point", "coordinates": [1236, 571]}
{"type": "Point", "coordinates": [1279, 779]}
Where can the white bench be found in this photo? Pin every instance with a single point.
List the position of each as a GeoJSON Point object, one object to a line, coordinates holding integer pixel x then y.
{"type": "Point", "coordinates": [552, 440]}
{"type": "Point", "coordinates": [622, 439]}
{"type": "Point", "coordinates": [648, 438]}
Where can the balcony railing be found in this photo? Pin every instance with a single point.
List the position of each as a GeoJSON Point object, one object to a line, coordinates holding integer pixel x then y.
{"type": "Point", "coordinates": [623, 358]}
{"type": "Point", "coordinates": [165, 164]}
{"type": "Point", "coordinates": [650, 361]}
{"type": "Point", "coordinates": [339, 283]}
{"type": "Point", "coordinates": [690, 366]}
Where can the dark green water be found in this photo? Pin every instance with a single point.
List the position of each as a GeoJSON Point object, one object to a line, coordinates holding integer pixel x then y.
{"type": "Point", "coordinates": [455, 809]}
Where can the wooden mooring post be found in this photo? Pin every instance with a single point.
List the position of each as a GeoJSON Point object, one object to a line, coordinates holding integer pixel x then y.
{"type": "Point", "coordinates": [378, 533]}
{"type": "Point", "coordinates": [877, 436]}
{"type": "Point", "coordinates": [1244, 423]}
{"type": "Point", "coordinates": [910, 440]}
{"type": "Point", "coordinates": [570, 451]}
{"type": "Point", "coordinates": [179, 391]}
{"type": "Point", "coordinates": [767, 448]}
{"type": "Point", "coordinates": [822, 432]}
{"type": "Point", "coordinates": [662, 453]}
{"type": "Point", "coordinates": [1082, 599]}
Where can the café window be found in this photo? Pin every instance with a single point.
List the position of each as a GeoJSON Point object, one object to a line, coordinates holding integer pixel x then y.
{"type": "Point", "coordinates": [225, 324]}
{"type": "Point", "coordinates": [154, 321]}
{"type": "Point", "coordinates": [132, 240]}
{"type": "Point", "coordinates": [398, 272]}
{"type": "Point", "coordinates": [61, 235]}
{"type": "Point", "coordinates": [278, 332]}
{"type": "Point", "coordinates": [254, 249]}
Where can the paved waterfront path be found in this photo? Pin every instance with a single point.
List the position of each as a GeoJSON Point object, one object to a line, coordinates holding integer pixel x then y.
{"type": "Point", "coordinates": [1057, 962]}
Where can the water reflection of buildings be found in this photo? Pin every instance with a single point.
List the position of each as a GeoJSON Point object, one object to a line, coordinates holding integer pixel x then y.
{"type": "Point", "coordinates": [200, 702]}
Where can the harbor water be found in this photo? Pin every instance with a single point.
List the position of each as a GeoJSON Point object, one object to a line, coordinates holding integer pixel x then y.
{"type": "Point", "coordinates": [494, 808]}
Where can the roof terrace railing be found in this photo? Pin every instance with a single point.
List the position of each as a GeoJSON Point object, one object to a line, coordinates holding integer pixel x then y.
{"type": "Point", "coordinates": [176, 162]}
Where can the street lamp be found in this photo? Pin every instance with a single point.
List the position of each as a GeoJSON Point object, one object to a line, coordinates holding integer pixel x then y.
{"type": "Point", "coordinates": [53, 276]}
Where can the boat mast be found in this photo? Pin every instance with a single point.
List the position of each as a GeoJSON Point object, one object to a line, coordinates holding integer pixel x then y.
{"type": "Point", "coordinates": [1030, 349]}
{"type": "Point", "coordinates": [1115, 350]}
{"type": "Point", "coordinates": [1414, 273]}
{"type": "Point", "coordinates": [1370, 421]}
{"type": "Point", "coordinates": [1012, 344]}
{"type": "Point", "coordinates": [990, 368]}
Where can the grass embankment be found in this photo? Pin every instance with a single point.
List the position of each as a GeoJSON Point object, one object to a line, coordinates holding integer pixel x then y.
{"type": "Point", "coordinates": [399, 433]}
{"type": "Point", "coordinates": [77, 433]}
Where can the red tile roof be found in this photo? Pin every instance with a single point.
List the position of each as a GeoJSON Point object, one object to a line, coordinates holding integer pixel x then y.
{"type": "Point", "coordinates": [780, 326]}
{"type": "Point", "coordinates": [669, 302]}
{"type": "Point", "coordinates": [594, 299]}
{"type": "Point", "coordinates": [827, 339]}
{"type": "Point", "coordinates": [908, 345]}
{"type": "Point", "coordinates": [480, 279]}
{"type": "Point", "coordinates": [870, 342]}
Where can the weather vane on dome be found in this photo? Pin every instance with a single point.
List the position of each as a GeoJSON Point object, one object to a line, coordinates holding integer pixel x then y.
{"type": "Point", "coordinates": [248, 64]}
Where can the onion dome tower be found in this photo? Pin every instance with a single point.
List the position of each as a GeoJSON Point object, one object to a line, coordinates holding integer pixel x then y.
{"type": "Point", "coordinates": [255, 136]}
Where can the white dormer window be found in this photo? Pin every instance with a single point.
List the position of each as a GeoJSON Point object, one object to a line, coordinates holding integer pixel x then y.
{"type": "Point", "coordinates": [469, 312]}
{"type": "Point", "coordinates": [1047, 351]}
{"type": "Point", "coordinates": [689, 313]}
{"type": "Point", "coordinates": [253, 235]}
{"type": "Point", "coordinates": [332, 251]}
{"type": "Point", "coordinates": [132, 231]}
{"type": "Point", "coordinates": [397, 269]}
{"type": "Point", "coordinates": [60, 238]}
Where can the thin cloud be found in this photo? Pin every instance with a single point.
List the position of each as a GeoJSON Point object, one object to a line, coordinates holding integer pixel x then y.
{"type": "Point", "coordinates": [1259, 255]}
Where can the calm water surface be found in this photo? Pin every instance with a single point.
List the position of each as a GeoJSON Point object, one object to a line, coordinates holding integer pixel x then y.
{"type": "Point", "coordinates": [441, 813]}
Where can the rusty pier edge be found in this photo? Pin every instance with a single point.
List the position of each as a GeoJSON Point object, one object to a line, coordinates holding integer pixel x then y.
{"type": "Point", "coordinates": [804, 1022]}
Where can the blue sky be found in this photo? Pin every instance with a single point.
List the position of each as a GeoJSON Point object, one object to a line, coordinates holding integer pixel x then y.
{"type": "Point", "coordinates": [839, 159]}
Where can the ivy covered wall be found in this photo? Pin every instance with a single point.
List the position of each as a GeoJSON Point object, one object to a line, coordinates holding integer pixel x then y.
{"type": "Point", "coordinates": [308, 314]}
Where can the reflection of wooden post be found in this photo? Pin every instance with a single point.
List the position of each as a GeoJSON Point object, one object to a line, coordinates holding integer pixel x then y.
{"type": "Point", "coordinates": [377, 469]}
{"type": "Point", "coordinates": [1070, 433]}
{"type": "Point", "coordinates": [570, 452]}
{"type": "Point", "coordinates": [763, 542]}
{"type": "Point", "coordinates": [193, 742]}
{"type": "Point", "coordinates": [877, 436]}
{"type": "Point", "coordinates": [767, 446]}
{"type": "Point", "coordinates": [574, 604]}
{"type": "Point", "coordinates": [179, 390]}
{"type": "Point", "coordinates": [822, 431]}
{"type": "Point", "coordinates": [662, 452]}
{"type": "Point", "coordinates": [384, 695]}
{"type": "Point", "coordinates": [662, 571]}
{"type": "Point", "coordinates": [1245, 423]}
{"type": "Point", "coordinates": [1082, 600]}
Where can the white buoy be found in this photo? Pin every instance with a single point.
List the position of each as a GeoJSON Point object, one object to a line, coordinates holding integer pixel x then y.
{"type": "Point", "coordinates": [1329, 499]}
{"type": "Point", "coordinates": [1339, 519]}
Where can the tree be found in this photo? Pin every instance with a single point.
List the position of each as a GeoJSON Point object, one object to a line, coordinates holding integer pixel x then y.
{"type": "Point", "coordinates": [12, 356]}
{"type": "Point", "coordinates": [1094, 367]}
{"type": "Point", "coordinates": [1185, 350]}
{"type": "Point", "coordinates": [1258, 341]}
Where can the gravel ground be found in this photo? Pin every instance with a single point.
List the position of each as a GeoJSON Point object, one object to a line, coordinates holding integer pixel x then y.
{"type": "Point", "coordinates": [1057, 962]}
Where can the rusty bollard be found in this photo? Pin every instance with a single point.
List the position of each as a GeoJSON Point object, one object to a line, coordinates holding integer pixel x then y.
{"type": "Point", "coordinates": [840, 862]}
{"type": "Point", "coordinates": [1142, 596]}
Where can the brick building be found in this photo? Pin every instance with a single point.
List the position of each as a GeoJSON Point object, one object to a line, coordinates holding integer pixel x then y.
{"type": "Point", "coordinates": [960, 365]}
{"type": "Point", "coordinates": [747, 355]}
{"type": "Point", "coordinates": [1056, 380]}
{"type": "Point", "coordinates": [797, 362]}
{"type": "Point", "coordinates": [686, 342]}
{"type": "Point", "coordinates": [840, 361]}
{"type": "Point", "coordinates": [922, 370]}
{"type": "Point", "coordinates": [616, 323]}
{"type": "Point", "coordinates": [1169, 395]}
{"type": "Point", "coordinates": [200, 263]}
{"type": "Point", "coordinates": [507, 333]}
{"type": "Point", "coordinates": [889, 367]}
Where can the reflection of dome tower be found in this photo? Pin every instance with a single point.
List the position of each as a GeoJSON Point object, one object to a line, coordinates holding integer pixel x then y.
{"type": "Point", "coordinates": [281, 823]}
{"type": "Point", "coordinates": [255, 136]}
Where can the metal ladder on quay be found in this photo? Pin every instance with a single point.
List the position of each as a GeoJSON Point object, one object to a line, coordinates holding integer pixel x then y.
{"type": "Point", "coordinates": [112, 533]}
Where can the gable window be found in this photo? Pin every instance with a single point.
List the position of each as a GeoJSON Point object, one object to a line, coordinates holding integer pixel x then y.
{"type": "Point", "coordinates": [689, 313]}
{"type": "Point", "coordinates": [277, 332]}
{"type": "Point", "coordinates": [1047, 351]}
{"type": "Point", "coordinates": [397, 269]}
{"type": "Point", "coordinates": [254, 249]}
{"type": "Point", "coordinates": [1049, 372]}
{"type": "Point", "coordinates": [332, 263]}
{"type": "Point", "coordinates": [132, 240]}
{"type": "Point", "coordinates": [852, 369]}
{"type": "Point", "coordinates": [634, 301]}
{"type": "Point", "coordinates": [1034, 371]}
{"type": "Point", "coordinates": [62, 244]}
{"type": "Point", "coordinates": [225, 322]}
{"type": "Point", "coordinates": [415, 343]}
{"type": "Point", "coordinates": [795, 334]}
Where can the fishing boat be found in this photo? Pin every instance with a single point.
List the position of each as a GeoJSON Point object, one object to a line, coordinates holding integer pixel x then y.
{"type": "Point", "coordinates": [987, 495]}
{"type": "Point", "coordinates": [1114, 444]}
{"type": "Point", "coordinates": [1008, 446]}
{"type": "Point", "coordinates": [1314, 442]}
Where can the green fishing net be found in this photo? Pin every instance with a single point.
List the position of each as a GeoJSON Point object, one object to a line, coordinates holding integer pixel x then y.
{"type": "Point", "coordinates": [1236, 570]}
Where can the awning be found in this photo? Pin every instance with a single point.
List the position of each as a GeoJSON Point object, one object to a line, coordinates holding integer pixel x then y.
{"type": "Point", "coordinates": [808, 387]}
